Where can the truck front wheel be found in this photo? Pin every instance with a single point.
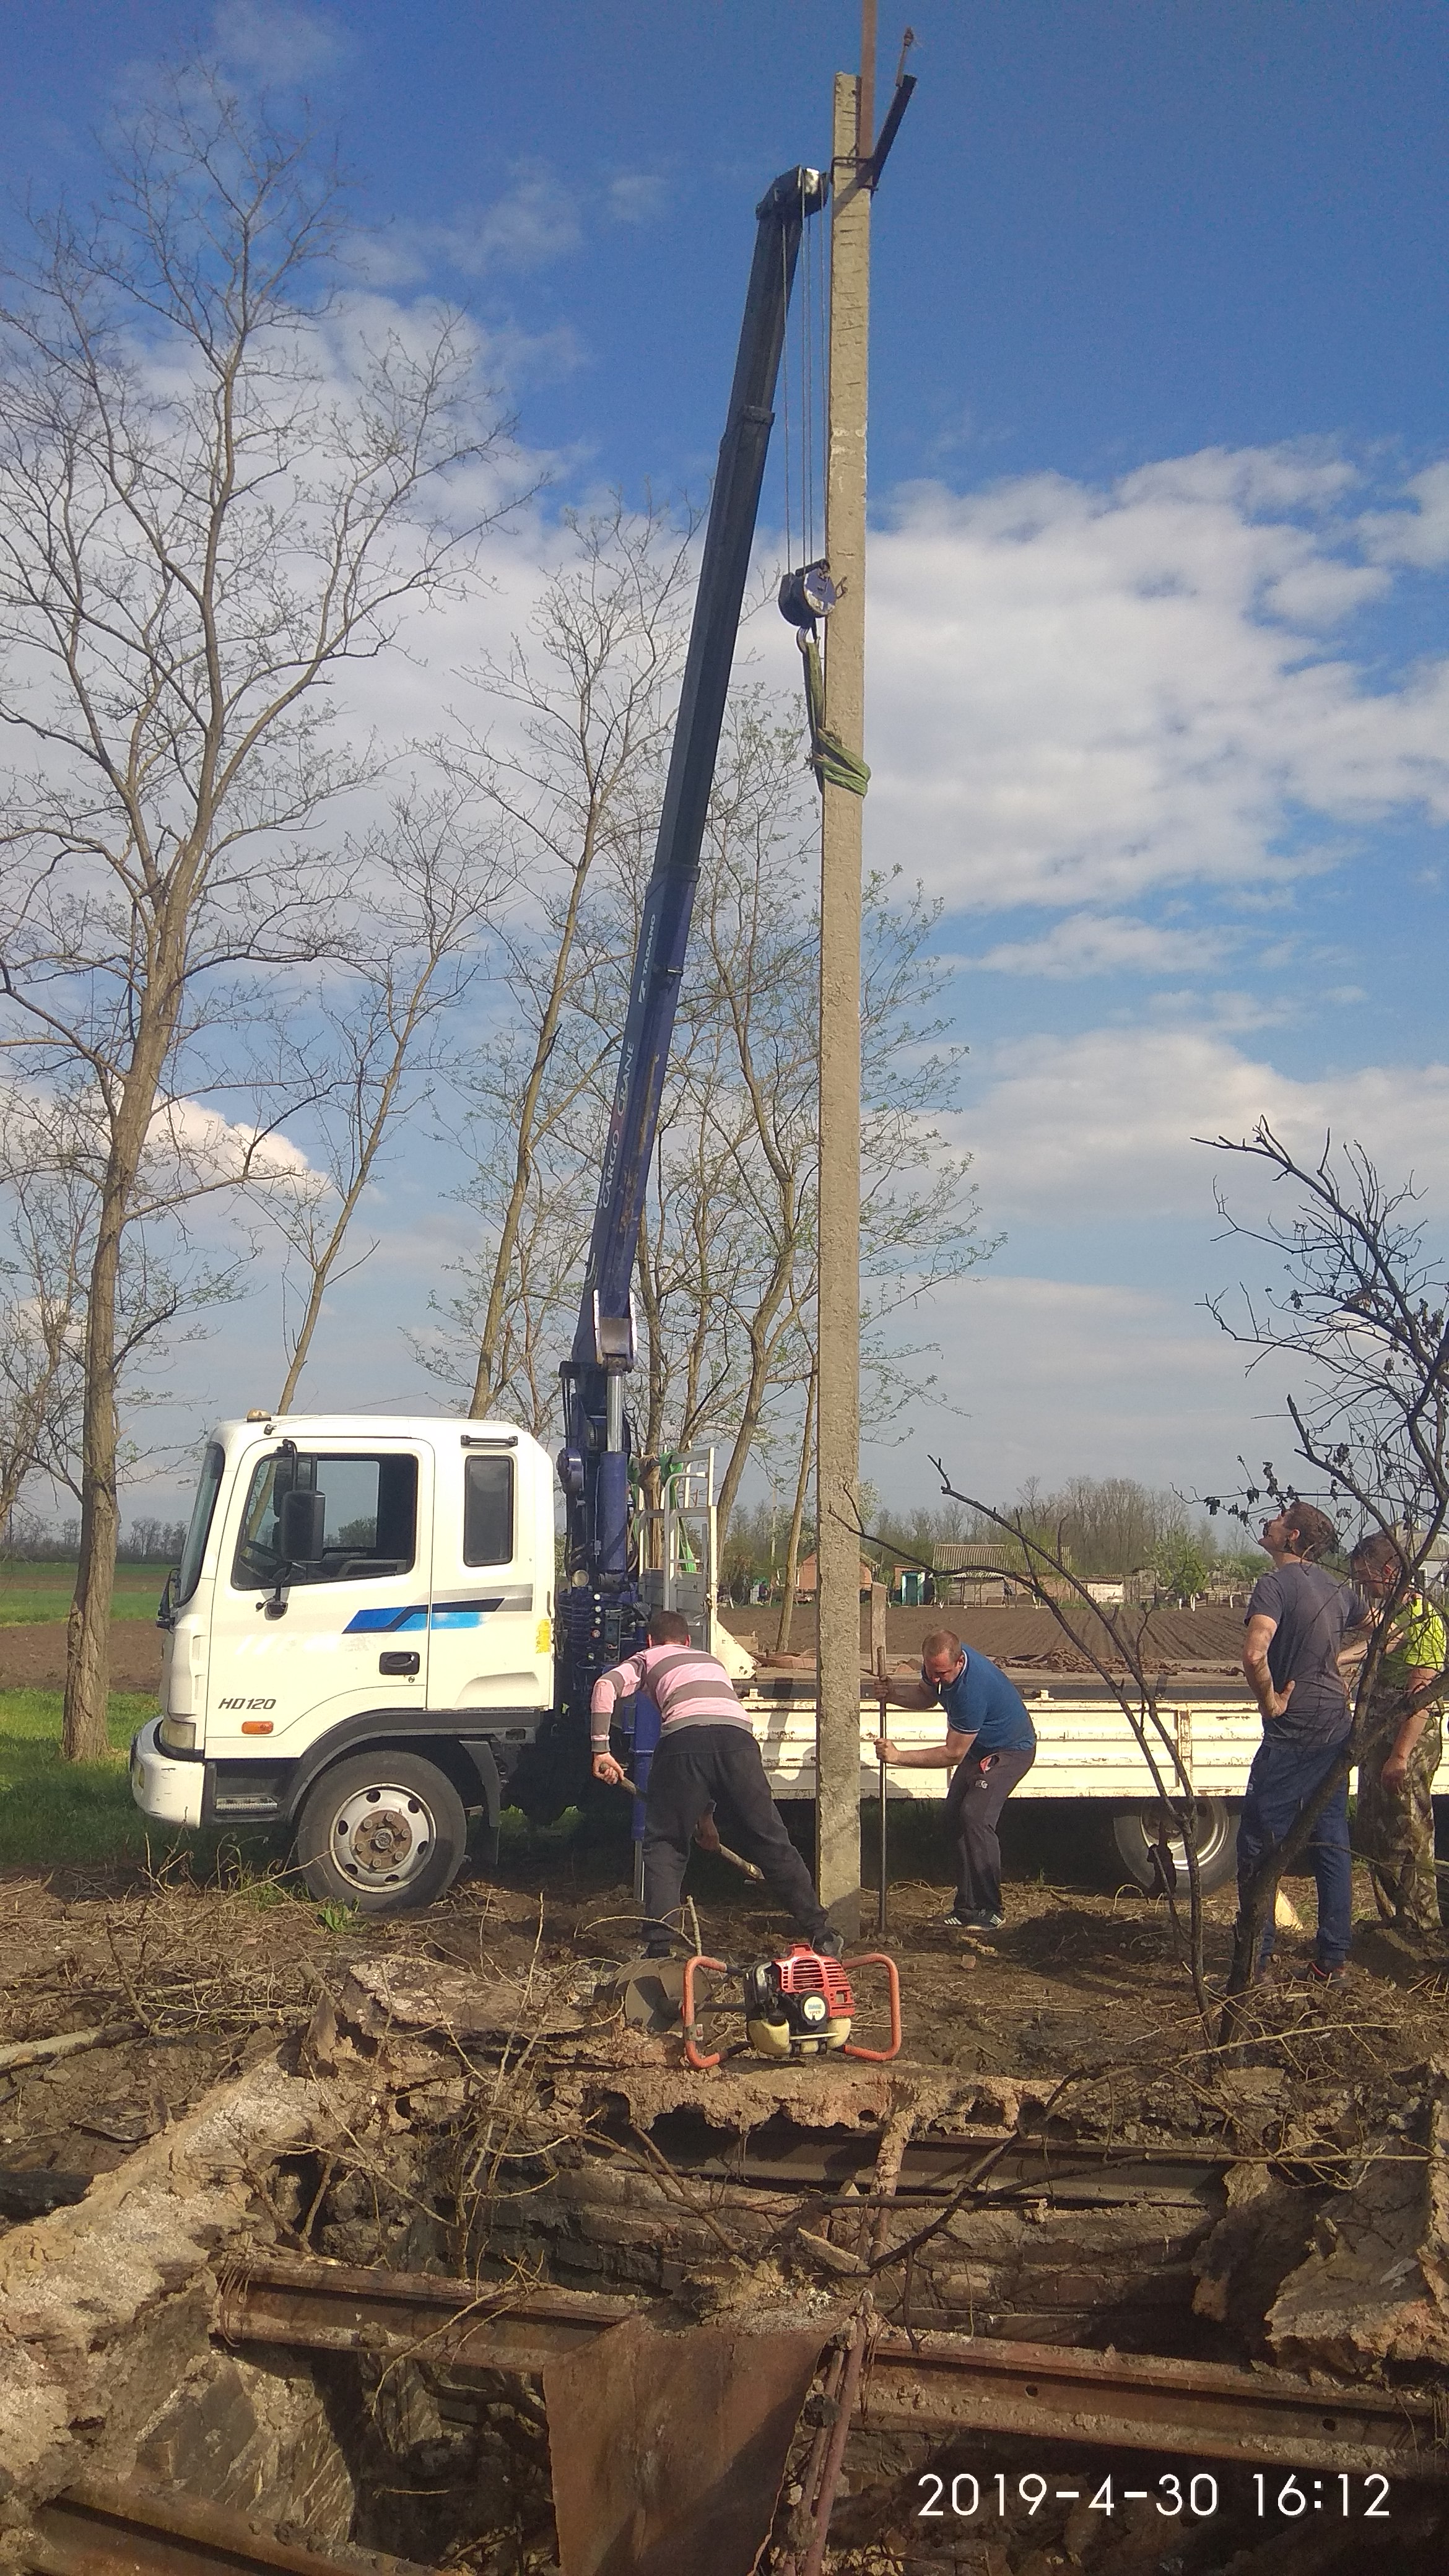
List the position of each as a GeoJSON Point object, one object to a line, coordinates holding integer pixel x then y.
{"type": "Point", "coordinates": [383, 1831]}
{"type": "Point", "coordinates": [1133, 1844]}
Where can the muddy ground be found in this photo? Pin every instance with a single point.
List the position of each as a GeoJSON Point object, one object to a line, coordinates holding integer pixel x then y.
{"type": "Point", "coordinates": [1079, 2012]}
{"type": "Point", "coordinates": [193, 1981]}
{"type": "Point", "coordinates": [1177, 1641]}
{"type": "Point", "coordinates": [33, 1657]}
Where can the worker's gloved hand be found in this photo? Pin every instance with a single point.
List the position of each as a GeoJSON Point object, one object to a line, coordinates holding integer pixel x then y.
{"type": "Point", "coordinates": [608, 1770]}
{"type": "Point", "coordinates": [706, 1832]}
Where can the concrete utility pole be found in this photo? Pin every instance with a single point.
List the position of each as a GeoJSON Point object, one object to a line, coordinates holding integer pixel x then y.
{"type": "Point", "coordinates": [837, 1456]}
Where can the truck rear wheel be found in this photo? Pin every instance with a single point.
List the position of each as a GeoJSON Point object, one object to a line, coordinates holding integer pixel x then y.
{"type": "Point", "coordinates": [1133, 1844]}
{"type": "Point", "coordinates": [383, 1831]}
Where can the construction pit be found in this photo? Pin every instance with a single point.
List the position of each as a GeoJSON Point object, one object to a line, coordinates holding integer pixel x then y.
{"type": "Point", "coordinates": [396, 2247]}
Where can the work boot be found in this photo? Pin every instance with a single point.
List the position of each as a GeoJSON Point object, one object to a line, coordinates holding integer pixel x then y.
{"type": "Point", "coordinates": [829, 1943]}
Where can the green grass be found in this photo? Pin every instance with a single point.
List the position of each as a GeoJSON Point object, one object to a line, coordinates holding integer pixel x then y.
{"type": "Point", "coordinates": [56, 1814]}
{"type": "Point", "coordinates": [52, 1811]}
{"type": "Point", "coordinates": [42, 1591]}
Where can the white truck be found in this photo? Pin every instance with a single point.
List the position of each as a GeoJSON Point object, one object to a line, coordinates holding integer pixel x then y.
{"type": "Point", "coordinates": [359, 1647]}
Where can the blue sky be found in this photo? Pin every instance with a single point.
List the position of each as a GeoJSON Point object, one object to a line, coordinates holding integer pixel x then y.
{"type": "Point", "coordinates": [1159, 614]}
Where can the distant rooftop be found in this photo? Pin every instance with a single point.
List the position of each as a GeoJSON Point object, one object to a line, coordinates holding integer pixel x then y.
{"type": "Point", "coordinates": [977, 1556]}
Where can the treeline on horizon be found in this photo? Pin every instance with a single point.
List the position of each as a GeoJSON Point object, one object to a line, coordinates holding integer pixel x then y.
{"type": "Point", "coordinates": [147, 1541]}
{"type": "Point", "coordinates": [1102, 1527]}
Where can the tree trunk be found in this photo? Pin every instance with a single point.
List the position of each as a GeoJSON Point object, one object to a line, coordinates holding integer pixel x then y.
{"type": "Point", "coordinates": [797, 1516]}
{"type": "Point", "coordinates": [87, 1665]}
{"type": "Point", "coordinates": [88, 1628]}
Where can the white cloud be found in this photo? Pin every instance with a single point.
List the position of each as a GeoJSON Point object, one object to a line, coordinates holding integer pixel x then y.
{"type": "Point", "coordinates": [1101, 1126]}
{"type": "Point", "coordinates": [535, 222]}
{"type": "Point", "coordinates": [1089, 943]}
{"type": "Point", "coordinates": [208, 1149]}
{"type": "Point", "coordinates": [1418, 534]}
{"type": "Point", "coordinates": [1078, 693]}
{"type": "Point", "coordinates": [1045, 1377]}
{"type": "Point", "coordinates": [636, 197]}
{"type": "Point", "coordinates": [277, 42]}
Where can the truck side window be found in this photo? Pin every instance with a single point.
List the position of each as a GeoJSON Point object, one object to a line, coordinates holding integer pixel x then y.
{"type": "Point", "coordinates": [370, 1529]}
{"type": "Point", "coordinates": [487, 1511]}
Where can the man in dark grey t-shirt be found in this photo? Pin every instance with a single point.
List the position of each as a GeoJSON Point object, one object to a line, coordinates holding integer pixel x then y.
{"type": "Point", "coordinates": [1296, 1622]}
{"type": "Point", "coordinates": [1295, 1626]}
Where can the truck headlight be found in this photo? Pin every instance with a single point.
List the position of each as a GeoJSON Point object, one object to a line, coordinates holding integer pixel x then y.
{"type": "Point", "coordinates": [177, 1734]}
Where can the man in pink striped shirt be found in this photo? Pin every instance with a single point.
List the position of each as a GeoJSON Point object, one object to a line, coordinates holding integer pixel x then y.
{"type": "Point", "coordinates": [707, 1758]}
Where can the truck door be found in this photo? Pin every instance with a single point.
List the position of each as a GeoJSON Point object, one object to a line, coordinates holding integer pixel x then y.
{"type": "Point", "coordinates": [490, 1607]}
{"type": "Point", "coordinates": [353, 1631]}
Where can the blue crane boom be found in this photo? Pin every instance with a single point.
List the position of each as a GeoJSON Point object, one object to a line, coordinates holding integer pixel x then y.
{"type": "Point", "coordinates": [600, 1607]}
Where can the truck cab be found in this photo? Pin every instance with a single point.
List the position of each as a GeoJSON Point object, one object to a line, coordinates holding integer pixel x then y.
{"type": "Point", "coordinates": [358, 1643]}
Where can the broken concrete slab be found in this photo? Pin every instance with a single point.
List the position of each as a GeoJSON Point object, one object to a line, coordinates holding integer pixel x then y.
{"type": "Point", "coordinates": [1375, 2288]}
{"type": "Point", "coordinates": [1262, 2236]}
{"type": "Point", "coordinates": [133, 2260]}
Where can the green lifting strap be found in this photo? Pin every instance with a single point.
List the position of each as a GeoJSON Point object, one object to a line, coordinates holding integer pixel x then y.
{"type": "Point", "coordinates": [833, 765]}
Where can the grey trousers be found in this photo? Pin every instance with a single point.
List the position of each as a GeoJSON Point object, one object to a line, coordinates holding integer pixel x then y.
{"type": "Point", "coordinates": [973, 1810]}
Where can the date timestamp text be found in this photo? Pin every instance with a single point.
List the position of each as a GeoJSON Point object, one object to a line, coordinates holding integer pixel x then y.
{"type": "Point", "coordinates": [1197, 2495]}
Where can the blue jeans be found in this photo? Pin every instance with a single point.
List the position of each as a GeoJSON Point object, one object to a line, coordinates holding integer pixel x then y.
{"type": "Point", "coordinates": [1283, 1780]}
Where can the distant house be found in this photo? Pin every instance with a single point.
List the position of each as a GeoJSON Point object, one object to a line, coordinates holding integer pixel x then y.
{"type": "Point", "coordinates": [972, 1571]}
{"type": "Point", "coordinates": [807, 1581]}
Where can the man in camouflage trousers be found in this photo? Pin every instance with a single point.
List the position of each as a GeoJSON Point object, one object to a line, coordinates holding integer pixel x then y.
{"type": "Point", "coordinates": [1400, 1750]}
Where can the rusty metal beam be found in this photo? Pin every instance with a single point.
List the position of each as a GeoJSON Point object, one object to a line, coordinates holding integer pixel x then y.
{"type": "Point", "coordinates": [950, 2384]}
{"type": "Point", "coordinates": [100, 2528]}
{"type": "Point", "coordinates": [938, 2384]}
{"type": "Point", "coordinates": [1086, 2171]}
{"type": "Point", "coordinates": [1088, 2176]}
{"type": "Point", "coordinates": [316, 2306]}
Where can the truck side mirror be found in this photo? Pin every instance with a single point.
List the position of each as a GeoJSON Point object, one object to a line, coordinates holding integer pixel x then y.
{"type": "Point", "coordinates": [301, 1527]}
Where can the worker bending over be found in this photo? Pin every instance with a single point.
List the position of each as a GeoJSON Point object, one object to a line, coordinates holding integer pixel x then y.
{"type": "Point", "coordinates": [707, 1758]}
{"type": "Point", "coordinates": [990, 1747]}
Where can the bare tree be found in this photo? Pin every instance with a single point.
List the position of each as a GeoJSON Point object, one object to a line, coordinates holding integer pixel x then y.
{"type": "Point", "coordinates": [214, 489]}
{"type": "Point", "coordinates": [589, 695]}
{"type": "Point", "coordinates": [42, 1279]}
{"type": "Point", "coordinates": [379, 1038]}
{"type": "Point", "coordinates": [1362, 1322]}
{"type": "Point", "coordinates": [727, 1255]}
{"type": "Point", "coordinates": [51, 1152]}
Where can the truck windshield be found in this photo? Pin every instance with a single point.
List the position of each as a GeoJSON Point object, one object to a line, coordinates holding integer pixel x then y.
{"type": "Point", "coordinates": [200, 1524]}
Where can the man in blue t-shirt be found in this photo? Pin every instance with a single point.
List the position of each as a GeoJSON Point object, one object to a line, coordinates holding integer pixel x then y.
{"type": "Point", "coordinates": [990, 1747]}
